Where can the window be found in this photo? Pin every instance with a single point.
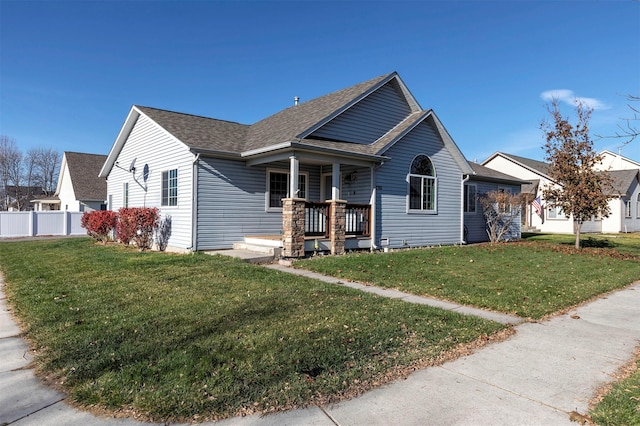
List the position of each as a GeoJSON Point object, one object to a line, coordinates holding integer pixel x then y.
{"type": "Point", "coordinates": [279, 187]}
{"type": "Point", "coordinates": [470, 198]}
{"type": "Point", "coordinates": [638, 207]}
{"type": "Point", "coordinates": [627, 209]}
{"type": "Point", "coordinates": [125, 194]}
{"type": "Point", "coordinates": [555, 212]}
{"type": "Point", "coordinates": [170, 188]}
{"type": "Point", "coordinates": [504, 204]}
{"type": "Point", "coordinates": [422, 185]}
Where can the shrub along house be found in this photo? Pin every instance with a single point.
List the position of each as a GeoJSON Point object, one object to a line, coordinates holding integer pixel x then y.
{"type": "Point", "coordinates": [482, 181]}
{"type": "Point", "coordinates": [364, 167]}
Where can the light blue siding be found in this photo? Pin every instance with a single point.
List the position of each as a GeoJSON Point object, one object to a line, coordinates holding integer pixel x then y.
{"type": "Point", "coordinates": [475, 223]}
{"type": "Point", "coordinates": [369, 119]}
{"type": "Point", "coordinates": [417, 229]}
{"type": "Point", "coordinates": [149, 144]}
{"type": "Point", "coordinates": [231, 201]}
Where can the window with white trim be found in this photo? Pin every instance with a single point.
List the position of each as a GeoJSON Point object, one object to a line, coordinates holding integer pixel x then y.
{"type": "Point", "coordinates": [169, 188]}
{"type": "Point", "coordinates": [422, 185]}
{"type": "Point", "coordinates": [470, 198]}
{"type": "Point", "coordinates": [627, 209]}
{"type": "Point", "coordinates": [555, 212]}
{"type": "Point", "coordinates": [125, 194]}
{"type": "Point", "coordinates": [278, 187]}
{"type": "Point", "coordinates": [638, 207]}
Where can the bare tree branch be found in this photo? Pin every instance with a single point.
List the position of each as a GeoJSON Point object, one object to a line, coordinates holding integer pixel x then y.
{"type": "Point", "coordinates": [628, 130]}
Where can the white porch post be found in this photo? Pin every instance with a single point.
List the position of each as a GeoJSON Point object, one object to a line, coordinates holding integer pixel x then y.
{"type": "Point", "coordinates": [335, 181]}
{"type": "Point", "coordinates": [294, 169]}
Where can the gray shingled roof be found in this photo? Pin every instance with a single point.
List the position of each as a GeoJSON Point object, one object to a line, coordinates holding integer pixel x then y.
{"type": "Point", "coordinates": [290, 123]}
{"type": "Point", "coordinates": [482, 172]}
{"type": "Point", "coordinates": [532, 187]}
{"type": "Point", "coordinates": [536, 165]}
{"type": "Point", "coordinates": [622, 180]}
{"type": "Point", "coordinates": [202, 133]}
{"type": "Point", "coordinates": [83, 170]}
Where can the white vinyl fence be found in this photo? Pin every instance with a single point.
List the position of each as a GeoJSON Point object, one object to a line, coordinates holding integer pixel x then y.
{"type": "Point", "coordinates": [32, 224]}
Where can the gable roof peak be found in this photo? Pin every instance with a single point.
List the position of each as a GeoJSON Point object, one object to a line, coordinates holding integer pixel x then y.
{"type": "Point", "coordinates": [536, 166]}
{"type": "Point", "coordinates": [299, 121]}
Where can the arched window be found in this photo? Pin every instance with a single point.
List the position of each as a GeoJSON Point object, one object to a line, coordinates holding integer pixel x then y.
{"type": "Point", "coordinates": [422, 185]}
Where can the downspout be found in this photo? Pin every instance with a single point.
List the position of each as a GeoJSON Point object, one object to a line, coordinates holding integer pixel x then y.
{"type": "Point", "coordinates": [194, 205]}
{"type": "Point", "coordinates": [372, 201]}
{"type": "Point", "coordinates": [464, 180]}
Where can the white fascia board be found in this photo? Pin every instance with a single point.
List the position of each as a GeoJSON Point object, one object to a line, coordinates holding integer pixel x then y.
{"type": "Point", "coordinates": [514, 161]}
{"type": "Point", "coordinates": [446, 139]}
{"type": "Point", "coordinates": [450, 144]}
{"type": "Point", "coordinates": [316, 154]}
{"type": "Point", "coordinates": [269, 158]}
{"type": "Point", "coordinates": [411, 100]}
{"type": "Point", "coordinates": [403, 134]}
{"type": "Point", "coordinates": [63, 171]}
{"type": "Point", "coordinates": [266, 149]}
{"type": "Point", "coordinates": [126, 129]}
{"type": "Point", "coordinates": [127, 126]}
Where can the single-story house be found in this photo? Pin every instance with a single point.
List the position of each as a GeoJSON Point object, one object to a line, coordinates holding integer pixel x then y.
{"type": "Point", "coordinates": [361, 168]}
{"type": "Point", "coordinates": [79, 188]}
{"type": "Point", "coordinates": [624, 205]}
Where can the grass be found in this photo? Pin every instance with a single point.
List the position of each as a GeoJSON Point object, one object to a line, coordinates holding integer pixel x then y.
{"type": "Point", "coordinates": [526, 279]}
{"type": "Point", "coordinates": [628, 244]}
{"type": "Point", "coordinates": [197, 337]}
{"type": "Point", "coordinates": [621, 406]}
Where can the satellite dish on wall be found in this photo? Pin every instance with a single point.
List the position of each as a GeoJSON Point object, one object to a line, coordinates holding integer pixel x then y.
{"type": "Point", "coordinates": [145, 172]}
{"type": "Point", "coordinates": [132, 167]}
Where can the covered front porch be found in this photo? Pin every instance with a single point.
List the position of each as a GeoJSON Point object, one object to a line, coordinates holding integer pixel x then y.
{"type": "Point", "coordinates": [327, 203]}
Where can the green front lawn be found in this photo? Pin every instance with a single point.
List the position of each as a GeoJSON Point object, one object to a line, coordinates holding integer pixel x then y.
{"type": "Point", "coordinates": [526, 279]}
{"type": "Point", "coordinates": [623, 243]}
{"type": "Point", "coordinates": [195, 337]}
{"type": "Point", "coordinates": [621, 406]}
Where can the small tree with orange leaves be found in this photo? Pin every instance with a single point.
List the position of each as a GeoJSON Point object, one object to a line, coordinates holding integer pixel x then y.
{"type": "Point", "coordinates": [579, 190]}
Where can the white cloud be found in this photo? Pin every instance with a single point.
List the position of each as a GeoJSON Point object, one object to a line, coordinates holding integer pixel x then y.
{"type": "Point", "coordinates": [568, 97]}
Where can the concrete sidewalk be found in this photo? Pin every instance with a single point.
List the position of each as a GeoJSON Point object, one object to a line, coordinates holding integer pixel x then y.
{"type": "Point", "coordinates": [536, 377]}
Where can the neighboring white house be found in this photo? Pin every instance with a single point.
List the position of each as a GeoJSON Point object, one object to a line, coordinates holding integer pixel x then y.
{"type": "Point", "coordinates": [79, 187]}
{"type": "Point", "coordinates": [624, 206]}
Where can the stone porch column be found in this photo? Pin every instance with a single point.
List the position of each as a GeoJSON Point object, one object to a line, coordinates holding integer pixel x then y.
{"type": "Point", "coordinates": [338, 226]}
{"type": "Point", "coordinates": [293, 227]}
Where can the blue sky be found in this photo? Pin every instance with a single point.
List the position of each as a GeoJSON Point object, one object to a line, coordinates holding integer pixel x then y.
{"type": "Point", "coordinates": [70, 71]}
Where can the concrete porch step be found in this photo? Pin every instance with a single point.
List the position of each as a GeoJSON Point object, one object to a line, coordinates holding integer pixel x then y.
{"type": "Point", "coordinates": [267, 245]}
{"type": "Point", "coordinates": [246, 255]}
{"type": "Point", "coordinates": [529, 229]}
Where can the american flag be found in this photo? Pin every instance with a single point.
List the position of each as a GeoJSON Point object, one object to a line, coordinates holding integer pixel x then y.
{"type": "Point", "coordinates": [537, 204]}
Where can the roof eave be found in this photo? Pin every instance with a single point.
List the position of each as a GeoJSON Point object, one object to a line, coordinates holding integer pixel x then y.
{"type": "Point", "coordinates": [126, 128]}
{"type": "Point", "coordinates": [299, 146]}
{"type": "Point", "coordinates": [215, 153]}
{"type": "Point", "coordinates": [476, 176]}
{"type": "Point", "coordinates": [339, 152]}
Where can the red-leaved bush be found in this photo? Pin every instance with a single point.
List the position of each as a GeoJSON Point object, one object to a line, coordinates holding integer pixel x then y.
{"type": "Point", "coordinates": [99, 223]}
{"type": "Point", "coordinates": [126, 227]}
{"type": "Point", "coordinates": [137, 224]}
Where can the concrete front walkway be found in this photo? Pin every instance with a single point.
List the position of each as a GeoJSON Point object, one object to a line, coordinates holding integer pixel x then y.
{"type": "Point", "coordinates": [536, 377]}
{"type": "Point", "coordinates": [410, 298]}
